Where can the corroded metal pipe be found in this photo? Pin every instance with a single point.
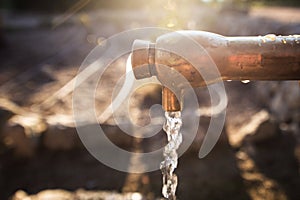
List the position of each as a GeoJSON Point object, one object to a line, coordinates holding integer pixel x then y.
{"type": "Point", "coordinates": [267, 57]}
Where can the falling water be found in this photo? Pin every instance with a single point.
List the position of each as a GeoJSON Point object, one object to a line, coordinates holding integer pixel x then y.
{"type": "Point", "coordinates": [171, 127]}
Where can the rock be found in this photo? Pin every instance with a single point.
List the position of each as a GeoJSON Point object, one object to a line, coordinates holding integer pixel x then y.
{"type": "Point", "coordinates": [22, 134]}
{"type": "Point", "coordinates": [20, 195]}
{"type": "Point", "coordinates": [265, 131]}
{"type": "Point", "coordinates": [79, 194]}
{"type": "Point", "coordinates": [54, 195]}
{"type": "Point", "coordinates": [15, 138]}
{"type": "Point", "coordinates": [44, 195]}
{"type": "Point", "coordinates": [259, 185]}
{"type": "Point", "coordinates": [10, 106]}
{"type": "Point", "coordinates": [21, 129]}
{"type": "Point", "coordinates": [106, 195]}
{"type": "Point", "coordinates": [281, 98]}
{"type": "Point", "coordinates": [4, 116]}
{"type": "Point", "coordinates": [33, 124]}
{"type": "Point", "coordinates": [259, 126]}
{"type": "Point", "coordinates": [7, 110]}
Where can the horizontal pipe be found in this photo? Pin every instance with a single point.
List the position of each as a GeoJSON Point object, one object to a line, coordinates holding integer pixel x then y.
{"type": "Point", "coordinates": [261, 58]}
{"type": "Point", "coordinates": [267, 57]}
{"type": "Point", "coordinates": [238, 58]}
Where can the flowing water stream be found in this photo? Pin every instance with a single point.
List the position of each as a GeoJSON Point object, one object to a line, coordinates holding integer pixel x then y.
{"type": "Point", "coordinates": [172, 128]}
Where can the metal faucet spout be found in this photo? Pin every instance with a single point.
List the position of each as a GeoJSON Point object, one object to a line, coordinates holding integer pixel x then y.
{"type": "Point", "coordinates": [267, 57]}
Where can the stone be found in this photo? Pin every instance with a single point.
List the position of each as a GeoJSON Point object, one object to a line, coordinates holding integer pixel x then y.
{"type": "Point", "coordinates": [7, 110]}
{"type": "Point", "coordinates": [282, 99]}
{"type": "Point", "coordinates": [20, 195]}
{"type": "Point", "coordinates": [20, 128]}
{"type": "Point", "coordinates": [21, 133]}
{"type": "Point", "coordinates": [10, 106]}
{"type": "Point", "coordinates": [15, 137]}
{"type": "Point", "coordinates": [79, 194]}
{"type": "Point", "coordinates": [44, 195]}
{"type": "Point", "coordinates": [267, 130]}
{"type": "Point", "coordinates": [4, 116]}
{"type": "Point", "coordinates": [237, 134]}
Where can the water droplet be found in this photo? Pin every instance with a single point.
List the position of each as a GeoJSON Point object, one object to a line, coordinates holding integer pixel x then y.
{"type": "Point", "coordinates": [296, 38]}
{"type": "Point", "coordinates": [245, 81]}
{"type": "Point", "coordinates": [283, 41]}
{"type": "Point", "coordinates": [260, 40]}
{"type": "Point", "coordinates": [263, 39]}
{"type": "Point", "coordinates": [271, 37]}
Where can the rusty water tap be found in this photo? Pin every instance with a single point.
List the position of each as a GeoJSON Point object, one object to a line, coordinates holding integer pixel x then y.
{"type": "Point", "coordinates": [267, 57]}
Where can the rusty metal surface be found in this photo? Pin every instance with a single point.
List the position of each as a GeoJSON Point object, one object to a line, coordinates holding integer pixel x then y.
{"type": "Point", "coordinates": [169, 101]}
{"type": "Point", "coordinates": [267, 57]}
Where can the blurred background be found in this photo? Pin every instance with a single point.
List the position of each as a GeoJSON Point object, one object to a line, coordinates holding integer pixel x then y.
{"type": "Point", "coordinates": [42, 45]}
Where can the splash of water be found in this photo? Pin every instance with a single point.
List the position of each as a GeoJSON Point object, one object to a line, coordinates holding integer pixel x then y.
{"type": "Point", "coordinates": [171, 127]}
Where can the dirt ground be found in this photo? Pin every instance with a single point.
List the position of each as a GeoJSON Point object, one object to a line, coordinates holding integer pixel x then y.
{"type": "Point", "coordinates": [41, 53]}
